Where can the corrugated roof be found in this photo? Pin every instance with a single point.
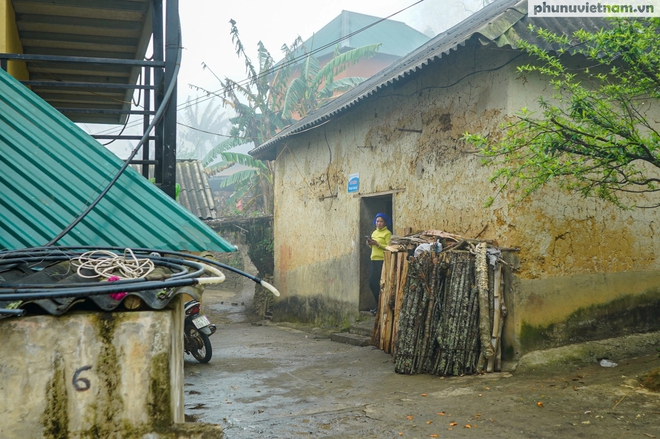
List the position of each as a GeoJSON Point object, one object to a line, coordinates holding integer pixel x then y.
{"type": "Point", "coordinates": [116, 29]}
{"type": "Point", "coordinates": [52, 170]}
{"type": "Point", "coordinates": [503, 22]}
{"type": "Point", "coordinates": [196, 194]}
{"type": "Point", "coordinates": [396, 37]}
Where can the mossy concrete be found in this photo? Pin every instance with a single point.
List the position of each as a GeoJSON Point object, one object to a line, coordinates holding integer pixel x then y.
{"type": "Point", "coordinates": [93, 375]}
{"type": "Point", "coordinates": [315, 310]}
{"type": "Point", "coordinates": [581, 354]}
{"type": "Point", "coordinates": [55, 418]}
{"type": "Point", "coordinates": [553, 312]}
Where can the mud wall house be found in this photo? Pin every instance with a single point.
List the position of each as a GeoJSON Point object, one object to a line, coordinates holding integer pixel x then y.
{"type": "Point", "coordinates": [91, 366]}
{"type": "Point", "coordinates": [585, 269]}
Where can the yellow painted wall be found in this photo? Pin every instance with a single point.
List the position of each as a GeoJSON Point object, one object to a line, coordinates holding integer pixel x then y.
{"type": "Point", "coordinates": [9, 41]}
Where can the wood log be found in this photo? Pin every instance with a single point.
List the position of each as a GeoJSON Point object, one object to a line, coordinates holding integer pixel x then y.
{"type": "Point", "coordinates": [399, 300]}
{"type": "Point", "coordinates": [437, 318]}
{"type": "Point", "coordinates": [462, 330]}
{"type": "Point", "coordinates": [383, 297]}
{"type": "Point", "coordinates": [503, 313]}
{"type": "Point", "coordinates": [375, 333]}
{"type": "Point", "coordinates": [389, 305]}
{"type": "Point", "coordinates": [405, 344]}
{"type": "Point", "coordinates": [495, 337]}
{"type": "Point", "coordinates": [485, 325]}
{"type": "Point", "coordinates": [441, 234]}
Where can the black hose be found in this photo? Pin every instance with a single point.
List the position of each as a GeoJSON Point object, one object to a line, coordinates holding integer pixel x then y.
{"type": "Point", "coordinates": [165, 262]}
{"type": "Point", "coordinates": [31, 293]}
{"type": "Point", "coordinates": [142, 250]}
{"type": "Point", "coordinates": [12, 312]}
{"type": "Point", "coordinates": [12, 292]}
{"type": "Point", "coordinates": [156, 119]}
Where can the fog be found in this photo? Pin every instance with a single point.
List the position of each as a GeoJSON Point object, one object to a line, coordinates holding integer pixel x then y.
{"type": "Point", "coordinates": [206, 39]}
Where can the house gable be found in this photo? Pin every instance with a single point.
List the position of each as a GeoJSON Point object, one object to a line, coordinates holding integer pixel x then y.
{"type": "Point", "coordinates": [584, 269]}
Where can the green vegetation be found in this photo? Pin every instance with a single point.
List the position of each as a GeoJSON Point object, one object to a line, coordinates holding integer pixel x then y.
{"type": "Point", "coordinates": [273, 97]}
{"type": "Point", "coordinates": [56, 416]}
{"type": "Point", "coordinates": [597, 135]}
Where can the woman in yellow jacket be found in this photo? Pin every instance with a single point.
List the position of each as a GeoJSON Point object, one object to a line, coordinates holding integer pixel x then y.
{"type": "Point", "coordinates": [380, 238]}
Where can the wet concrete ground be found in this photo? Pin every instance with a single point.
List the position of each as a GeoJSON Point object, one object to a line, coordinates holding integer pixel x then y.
{"type": "Point", "coordinates": [271, 381]}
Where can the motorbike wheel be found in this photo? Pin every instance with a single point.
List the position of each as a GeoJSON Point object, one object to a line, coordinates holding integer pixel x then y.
{"type": "Point", "coordinates": [202, 350]}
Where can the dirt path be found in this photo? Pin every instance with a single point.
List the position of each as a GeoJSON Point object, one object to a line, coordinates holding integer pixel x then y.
{"type": "Point", "coordinates": [268, 381]}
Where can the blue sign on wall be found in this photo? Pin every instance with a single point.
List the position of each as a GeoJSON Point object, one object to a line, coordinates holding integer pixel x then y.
{"type": "Point", "coordinates": [353, 183]}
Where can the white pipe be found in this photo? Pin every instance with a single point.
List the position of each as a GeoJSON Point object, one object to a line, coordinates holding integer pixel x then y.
{"type": "Point", "coordinates": [270, 288]}
{"type": "Point", "coordinates": [218, 279]}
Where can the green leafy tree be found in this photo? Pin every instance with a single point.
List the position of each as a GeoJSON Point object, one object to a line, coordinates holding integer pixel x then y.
{"type": "Point", "coordinates": [252, 184]}
{"type": "Point", "coordinates": [597, 135]}
{"type": "Point", "coordinates": [255, 101]}
{"type": "Point", "coordinates": [315, 85]}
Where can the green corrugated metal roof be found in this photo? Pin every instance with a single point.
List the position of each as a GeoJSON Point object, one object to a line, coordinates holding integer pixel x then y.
{"type": "Point", "coordinates": [396, 37]}
{"type": "Point", "coordinates": [50, 170]}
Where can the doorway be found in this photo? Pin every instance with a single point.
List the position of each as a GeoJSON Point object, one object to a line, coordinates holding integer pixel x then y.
{"type": "Point", "coordinates": [369, 207]}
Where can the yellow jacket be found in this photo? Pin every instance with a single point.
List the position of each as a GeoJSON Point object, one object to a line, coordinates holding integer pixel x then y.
{"type": "Point", "coordinates": [383, 236]}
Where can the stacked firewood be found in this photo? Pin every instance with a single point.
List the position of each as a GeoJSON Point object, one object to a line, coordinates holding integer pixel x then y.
{"type": "Point", "coordinates": [442, 311]}
{"type": "Point", "coordinates": [392, 283]}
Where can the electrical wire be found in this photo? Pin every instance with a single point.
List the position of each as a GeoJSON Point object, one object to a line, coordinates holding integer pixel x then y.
{"type": "Point", "coordinates": [106, 264]}
{"type": "Point", "coordinates": [293, 61]}
{"type": "Point", "coordinates": [20, 293]}
{"type": "Point", "coordinates": [297, 59]}
{"type": "Point", "coordinates": [156, 119]}
{"type": "Point", "coordinates": [158, 256]}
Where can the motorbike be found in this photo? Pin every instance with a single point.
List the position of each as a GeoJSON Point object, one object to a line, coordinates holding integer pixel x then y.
{"type": "Point", "coordinates": [196, 331]}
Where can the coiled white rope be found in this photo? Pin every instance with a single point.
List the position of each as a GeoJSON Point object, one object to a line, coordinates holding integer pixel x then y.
{"type": "Point", "coordinates": [106, 264]}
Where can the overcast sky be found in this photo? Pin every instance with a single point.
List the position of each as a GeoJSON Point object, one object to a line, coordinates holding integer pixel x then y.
{"type": "Point", "coordinates": [206, 38]}
{"type": "Point", "coordinates": [205, 33]}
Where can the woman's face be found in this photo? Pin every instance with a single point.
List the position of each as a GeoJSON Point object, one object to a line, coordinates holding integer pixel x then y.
{"type": "Point", "coordinates": [380, 223]}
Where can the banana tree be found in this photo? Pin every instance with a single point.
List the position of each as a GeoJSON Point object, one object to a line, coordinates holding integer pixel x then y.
{"type": "Point", "coordinates": [316, 85]}
{"type": "Point", "coordinates": [252, 184]}
{"type": "Point", "coordinates": [269, 100]}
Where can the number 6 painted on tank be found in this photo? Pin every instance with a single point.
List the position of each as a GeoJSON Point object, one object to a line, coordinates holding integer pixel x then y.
{"type": "Point", "coordinates": [81, 384]}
